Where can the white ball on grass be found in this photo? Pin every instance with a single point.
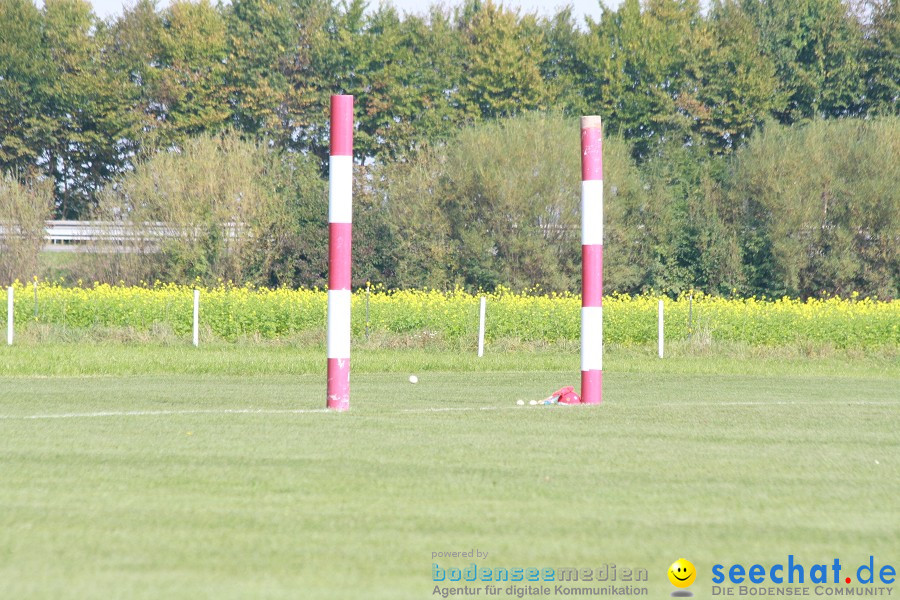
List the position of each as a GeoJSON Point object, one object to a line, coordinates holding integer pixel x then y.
{"type": "Point", "coordinates": [533, 402]}
{"type": "Point", "coordinates": [520, 402]}
{"type": "Point", "coordinates": [413, 379]}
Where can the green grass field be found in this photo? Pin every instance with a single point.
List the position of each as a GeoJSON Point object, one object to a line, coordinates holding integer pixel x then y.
{"type": "Point", "coordinates": [171, 472]}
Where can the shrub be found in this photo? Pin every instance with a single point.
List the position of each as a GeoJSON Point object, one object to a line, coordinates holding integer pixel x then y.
{"type": "Point", "coordinates": [822, 207]}
{"type": "Point", "coordinates": [218, 208]}
{"type": "Point", "coordinates": [498, 205]}
{"type": "Point", "coordinates": [24, 210]}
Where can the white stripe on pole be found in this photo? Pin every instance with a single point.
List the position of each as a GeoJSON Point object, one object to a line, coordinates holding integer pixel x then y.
{"type": "Point", "coordinates": [196, 317]}
{"type": "Point", "coordinates": [9, 316]}
{"type": "Point", "coordinates": [592, 341]}
{"type": "Point", "coordinates": [340, 189]}
{"type": "Point", "coordinates": [660, 328]}
{"type": "Point", "coordinates": [481, 328]}
{"type": "Point", "coordinates": [338, 344]}
{"type": "Point", "coordinates": [592, 212]}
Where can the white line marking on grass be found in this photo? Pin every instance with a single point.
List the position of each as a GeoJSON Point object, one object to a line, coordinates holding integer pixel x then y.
{"type": "Point", "coordinates": [784, 403]}
{"type": "Point", "coordinates": [308, 411]}
{"type": "Point", "coordinates": [153, 413]}
{"type": "Point", "coordinates": [225, 411]}
{"type": "Point", "coordinates": [456, 408]}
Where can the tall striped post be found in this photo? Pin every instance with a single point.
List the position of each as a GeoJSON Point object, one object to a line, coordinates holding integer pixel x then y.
{"type": "Point", "coordinates": [340, 211]}
{"type": "Point", "coordinates": [591, 260]}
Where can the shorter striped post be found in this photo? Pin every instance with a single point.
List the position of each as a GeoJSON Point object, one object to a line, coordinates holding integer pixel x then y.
{"type": "Point", "coordinates": [340, 211]}
{"type": "Point", "coordinates": [196, 318]}
{"type": "Point", "coordinates": [9, 315]}
{"type": "Point", "coordinates": [481, 327]}
{"type": "Point", "coordinates": [591, 260]}
{"type": "Point", "coordinates": [661, 328]}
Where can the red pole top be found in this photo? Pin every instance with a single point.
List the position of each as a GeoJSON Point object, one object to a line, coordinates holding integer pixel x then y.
{"type": "Point", "coordinates": [591, 149]}
{"type": "Point", "coordinates": [342, 126]}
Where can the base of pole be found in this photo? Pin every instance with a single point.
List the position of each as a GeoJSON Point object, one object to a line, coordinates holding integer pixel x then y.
{"type": "Point", "coordinates": [338, 384]}
{"type": "Point", "coordinates": [592, 387]}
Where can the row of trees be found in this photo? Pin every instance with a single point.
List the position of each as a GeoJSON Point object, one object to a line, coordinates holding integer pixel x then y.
{"type": "Point", "coordinates": [796, 211]}
{"type": "Point", "coordinates": [83, 101]}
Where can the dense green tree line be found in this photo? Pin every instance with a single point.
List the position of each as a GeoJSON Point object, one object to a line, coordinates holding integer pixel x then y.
{"type": "Point", "coordinates": [795, 211]}
{"type": "Point", "coordinates": [751, 146]}
{"type": "Point", "coordinates": [83, 100]}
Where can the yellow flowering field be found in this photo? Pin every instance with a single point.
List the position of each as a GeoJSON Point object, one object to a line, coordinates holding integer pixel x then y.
{"type": "Point", "coordinates": [231, 312]}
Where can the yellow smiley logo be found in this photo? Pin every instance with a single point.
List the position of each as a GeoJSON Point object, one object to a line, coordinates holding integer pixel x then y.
{"type": "Point", "coordinates": [682, 573]}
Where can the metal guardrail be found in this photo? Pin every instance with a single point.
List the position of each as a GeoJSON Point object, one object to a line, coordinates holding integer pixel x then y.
{"type": "Point", "coordinates": [68, 236]}
{"type": "Point", "coordinates": [109, 236]}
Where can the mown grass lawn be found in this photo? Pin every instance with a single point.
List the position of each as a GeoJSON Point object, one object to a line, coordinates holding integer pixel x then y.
{"type": "Point", "coordinates": [183, 483]}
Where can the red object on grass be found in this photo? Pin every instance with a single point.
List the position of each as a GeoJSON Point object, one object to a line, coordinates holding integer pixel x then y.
{"type": "Point", "coordinates": [570, 398]}
{"type": "Point", "coordinates": [566, 395]}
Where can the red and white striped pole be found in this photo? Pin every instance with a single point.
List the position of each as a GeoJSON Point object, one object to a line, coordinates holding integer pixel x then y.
{"type": "Point", "coordinates": [591, 260]}
{"type": "Point", "coordinates": [340, 211]}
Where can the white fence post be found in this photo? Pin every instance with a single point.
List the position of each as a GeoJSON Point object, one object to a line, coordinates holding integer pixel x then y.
{"type": "Point", "coordinates": [9, 316]}
{"type": "Point", "coordinates": [196, 317]}
{"type": "Point", "coordinates": [481, 328]}
{"type": "Point", "coordinates": [660, 328]}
